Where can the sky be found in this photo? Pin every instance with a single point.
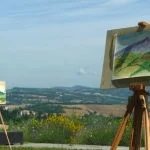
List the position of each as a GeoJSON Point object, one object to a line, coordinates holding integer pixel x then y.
{"type": "Point", "coordinates": [48, 43]}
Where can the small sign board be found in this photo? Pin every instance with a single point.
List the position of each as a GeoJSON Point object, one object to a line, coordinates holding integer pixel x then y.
{"type": "Point", "coordinates": [4, 126]}
{"type": "Point", "coordinates": [127, 57]}
{"type": "Point", "coordinates": [2, 92]}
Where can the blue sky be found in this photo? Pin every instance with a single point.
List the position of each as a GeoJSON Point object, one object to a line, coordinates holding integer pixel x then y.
{"type": "Point", "coordinates": [47, 43]}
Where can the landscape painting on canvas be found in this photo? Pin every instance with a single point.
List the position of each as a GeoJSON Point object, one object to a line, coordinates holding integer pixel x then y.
{"type": "Point", "coordinates": [132, 55]}
{"type": "Point", "coordinates": [2, 92]}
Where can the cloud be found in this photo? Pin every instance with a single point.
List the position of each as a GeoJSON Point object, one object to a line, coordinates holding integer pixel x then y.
{"type": "Point", "coordinates": [82, 71]}
{"type": "Point", "coordinates": [121, 2]}
{"type": "Point", "coordinates": [31, 13]}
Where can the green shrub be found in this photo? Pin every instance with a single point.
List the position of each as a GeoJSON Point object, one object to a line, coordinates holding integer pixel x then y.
{"type": "Point", "coordinates": [53, 129]}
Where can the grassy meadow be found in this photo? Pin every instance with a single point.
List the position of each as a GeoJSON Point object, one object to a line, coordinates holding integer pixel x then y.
{"type": "Point", "coordinates": [89, 129]}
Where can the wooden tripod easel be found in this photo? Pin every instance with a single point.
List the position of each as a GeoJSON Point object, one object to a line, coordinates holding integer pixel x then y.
{"type": "Point", "coordinates": [5, 130]}
{"type": "Point", "coordinates": [138, 105]}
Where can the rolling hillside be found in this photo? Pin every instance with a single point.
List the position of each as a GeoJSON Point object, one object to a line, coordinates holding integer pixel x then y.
{"type": "Point", "coordinates": [67, 95]}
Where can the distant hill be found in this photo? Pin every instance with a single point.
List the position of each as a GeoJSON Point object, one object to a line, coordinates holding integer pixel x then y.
{"type": "Point", "coordinates": [67, 95]}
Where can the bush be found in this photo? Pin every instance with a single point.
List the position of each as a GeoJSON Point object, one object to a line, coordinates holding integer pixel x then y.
{"type": "Point", "coordinates": [53, 129]}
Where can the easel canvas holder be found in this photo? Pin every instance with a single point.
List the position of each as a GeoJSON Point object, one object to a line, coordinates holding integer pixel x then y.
{"type": "Point", "coordinates": [123, 36]}
{"type": "Point", "coordinates": [120, 70]}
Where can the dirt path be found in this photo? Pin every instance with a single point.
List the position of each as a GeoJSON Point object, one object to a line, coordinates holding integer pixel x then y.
{"type": "Point", "coordinates": [70, 146]}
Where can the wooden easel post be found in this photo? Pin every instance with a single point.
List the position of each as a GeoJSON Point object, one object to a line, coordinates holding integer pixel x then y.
{"type": "Point", "coordinates": [138, 104]}
{"type": "Point", "coordinates": [140, 114]}
{"type": "Point", "coordinates": [123, 124]}
{"type": "Point", "coordinates": [5, 130]}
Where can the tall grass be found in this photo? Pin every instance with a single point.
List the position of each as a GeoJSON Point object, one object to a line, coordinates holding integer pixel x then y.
{"type": "Point", "coordinates": [89, 129]}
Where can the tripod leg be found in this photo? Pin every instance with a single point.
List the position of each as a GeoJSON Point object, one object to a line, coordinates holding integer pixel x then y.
{"type": "Point", "coordinates": [1, 117]}
{"type": "Point", "coordinates": [123, 124]}
{"type": "Point", "coordinates": [139, 113]}
{"type": "Point", "coordinates": [147, 135]}
{"type": "Point", "coordinates": [136, 130]}
{"type": "Point", "coordinates": [146, 126]}
{"type": "Point", "coordinates": [119, 133]}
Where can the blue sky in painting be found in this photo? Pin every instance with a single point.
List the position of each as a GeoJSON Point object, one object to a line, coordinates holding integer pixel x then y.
{"type": "Point", "coordinates": [47, 43]}
{"type": "Point", "coordinates": [125, 40]}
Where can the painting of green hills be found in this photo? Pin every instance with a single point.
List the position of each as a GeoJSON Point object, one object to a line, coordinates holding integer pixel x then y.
{"type": "Point", "coordinates": [2, 92]}
{"type": "Point", "coordinates": [2, 98]}
{"type": "Point", "coordinates": [132, 55]}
